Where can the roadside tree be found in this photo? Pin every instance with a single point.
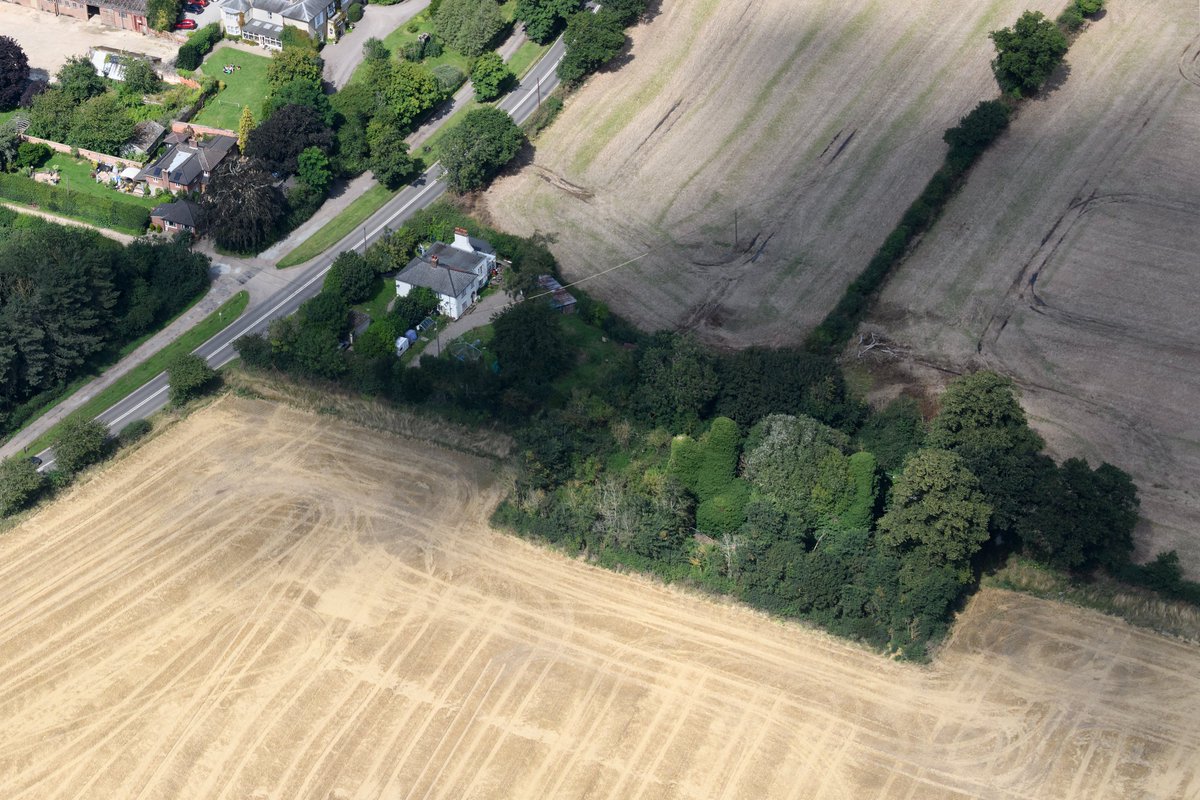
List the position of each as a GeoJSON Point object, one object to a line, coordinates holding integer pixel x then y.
{"type": "Point", "coordinates": [468, 26]}
{"type": "Point", "coordinates": [280, 139]}
{"type": "Point", "coordinates": [592, 40]}
{"type": "Point", "coordinates": [543, 17]}
{"type": "Point", "coordinates": [312, 167]}
{"type": "Point", "coordinates": [293, 63]}
{"type": "Point", "coordinates": [189, 376]}
{"type": "Point", "coordinates": [81, 442]}
{"type": "Point", "coordinates": [479, 147]}
{"type": "Point", "coordinates": [14, 72]}
{"type": "Point", "coordinates": [242, 205]}
{"type": "Point", "coordinates": [350, 276]}
{"type": "Point", "coordinates": [1027, 53]}
{"type": "Point", "coordinates": [490, 76]}
{"type": "Point", "coordinates": [20, 483]}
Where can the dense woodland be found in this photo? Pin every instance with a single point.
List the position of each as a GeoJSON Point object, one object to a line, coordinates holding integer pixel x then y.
{"type": "Point", "coordinates": [753, 473]}
{"type": "Point", "coordinates": [70, 298]}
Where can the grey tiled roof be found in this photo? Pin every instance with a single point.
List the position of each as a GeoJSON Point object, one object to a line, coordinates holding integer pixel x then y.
{"type": "Point", "coordinates": [181, 212]}
{"type": "Point", "coordinates": [447, 282]}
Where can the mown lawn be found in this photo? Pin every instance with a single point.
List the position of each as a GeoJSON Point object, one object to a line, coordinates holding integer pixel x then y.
{"type": "Point", "coordinates": [77, 176]}
{"type": "Point", "coordinates": [402, 36]}
{"type": "Point", "coordinates": [337, 228]}
{"type": "Point", "coordinates": [244, 87]}
{"type": "Point", "coordinates": [385, 292]}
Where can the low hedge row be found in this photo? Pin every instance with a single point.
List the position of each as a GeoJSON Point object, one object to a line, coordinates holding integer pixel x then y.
{"type": "Point", "coordinates": [58, 199]}
{"type": "Point", "coordinates": [968, 140]}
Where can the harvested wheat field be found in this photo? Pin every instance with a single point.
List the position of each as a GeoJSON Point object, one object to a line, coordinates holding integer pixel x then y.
{"type": "Point", "coordinates": [816, 122]}
{"type": "Point", "coordinates": [1070, 262]}
{"type": "Point", "coordinates": [264, 603]}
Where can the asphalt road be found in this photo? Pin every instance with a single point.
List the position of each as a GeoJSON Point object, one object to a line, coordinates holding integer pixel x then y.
{"type": "Point", "coordinates": [218, 351]}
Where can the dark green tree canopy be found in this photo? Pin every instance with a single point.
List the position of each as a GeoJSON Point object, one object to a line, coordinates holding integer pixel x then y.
{"type": "Point", "coordinates": [243, 205]}
{"type": "Point", "coordinates": [294, 63]}
{"type": "Point", "coordinates": [542, 18]}
{"type": "Point", "coordinates": [1027, 53]}
{"type": "Point", "coordinates": [79, 80]}
{"type": "Point", "coordinates": [468, 26]}
{"type": "Point", "coordinates": [81, 442]}
{"type": "Point", "coordinates": [677, 381]}
{"type": "Point", "coordinates": [278, 142]}
{"type": "Point", "coordinates": [350, 276]}
{"type": "Point", "coordinates": [20, 484]}
{"type": "Point", "coordinates": [14, 72]}
{"type": "Point", "coordinates": [189, 376]}
{"type": "Point", "coordinates": [301, 92]}
{"type": "Point", "coordinates": [592, 41]}
{"type": "Point", "coordinates": [475, 151]}
{"type": "Point", "coordinates": [490, 76]}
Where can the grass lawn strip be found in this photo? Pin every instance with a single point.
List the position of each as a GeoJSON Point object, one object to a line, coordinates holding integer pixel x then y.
{"type": "Point", "coordinates": [210, 326]}
{"type": "Point", "coordinates": [337, 228]}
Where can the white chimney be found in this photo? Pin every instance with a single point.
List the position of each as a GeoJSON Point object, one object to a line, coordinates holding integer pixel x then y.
{"type": "Point", "coordinates": [462, 241]}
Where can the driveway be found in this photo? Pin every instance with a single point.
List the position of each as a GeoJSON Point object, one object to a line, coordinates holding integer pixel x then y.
{"type": "Point", "coordinates": [49, 40]}
{"type": "Point", "coordinates": [378, 21]}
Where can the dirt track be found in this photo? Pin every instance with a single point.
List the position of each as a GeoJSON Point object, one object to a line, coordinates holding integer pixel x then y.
{"type": "Point", "coordinates": [816, 122]}
{"type": "Point", "coordinates": [263, 603]}
{"type": "Point", "coordinates": [1069, 261]}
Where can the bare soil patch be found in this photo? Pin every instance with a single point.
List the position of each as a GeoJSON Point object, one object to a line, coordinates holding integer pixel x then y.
{"type": "Point", "coordinates": [1069, 262]}
{"type": "Point", "coordinates": [49, 41]}
{"type": "Point", "coordinates": [815, 122]}
{"type": "Point", "coordinates": [267, 603]}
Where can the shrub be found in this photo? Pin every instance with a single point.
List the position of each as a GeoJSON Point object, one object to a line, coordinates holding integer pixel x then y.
{"type": "Point", "coordinates": [199, 44]}
{"type": "Point", "coordinates": [726, 511]}
{"type": "Point", "coordinates": [31, 155]}
{"type": "Point", "coordinates": [354, 13]}
{"type": "Point", "coordinates": [1089, 7]}
{"type": "Point", "coordinates": [134, 431]}
{"type": "Point", "coordinates": [413, 51]}
{"type": "Point", "coordinates": [20, 484]}
{"type": "Point", "coordinates": [545, 114]}
{"type": "Point", "coordinates": [449, 78]}
{"type": "Point", "coordinates": [294, 37]}
{"type": "Point", "coordinates": [1071, 19]}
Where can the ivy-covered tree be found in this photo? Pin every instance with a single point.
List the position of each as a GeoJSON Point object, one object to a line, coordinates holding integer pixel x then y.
{"type": "Point", "coordinates": [14, 72]}
{"type": "Point", "coordinates": [1027, 53]}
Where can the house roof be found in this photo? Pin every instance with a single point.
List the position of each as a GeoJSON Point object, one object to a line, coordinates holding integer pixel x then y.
{"type": "Point", "coordinates": [181, 212]}
{"type": "Point", "coordinates": [446, 282]}
{"type": "Point", "coordinates": [136, 6]}
{"type": "Point", "coordinates": [454, 258]}
{"type": "Point", "coordinates": [145, 135]}
{"type": "Point", "coordinates": [300, 10]}
{"type": "Point", "coordinates": [236, 6]}
{"type": "Point", "coordinates": [184, 164]}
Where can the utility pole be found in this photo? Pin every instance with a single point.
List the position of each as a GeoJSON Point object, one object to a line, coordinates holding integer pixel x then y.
{"type": "Point", "coordinates": [735, 230]}
{"type": "Point", "coordinates": [539, 90]}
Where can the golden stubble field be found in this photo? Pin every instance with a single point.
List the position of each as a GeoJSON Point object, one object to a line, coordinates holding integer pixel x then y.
{"type": "Point", "coordinates": [816, 121]}
{"type": "Point", "coordinates": [1070, 262]}
{"type": "Point", "coordinates": [265, 603]}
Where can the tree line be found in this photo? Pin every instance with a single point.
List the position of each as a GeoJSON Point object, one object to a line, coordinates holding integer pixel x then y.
{"type": "Point", "coordinates": [70, 299]}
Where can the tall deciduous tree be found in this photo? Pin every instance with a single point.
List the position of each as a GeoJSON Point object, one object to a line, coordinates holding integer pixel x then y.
{"type": "Point", "coordinates": [410, 91]}
{"type": "Point", "coordinates": [292, 63]}
{"type": "Point", "coordinates": [140, 77]}
{"type": "Point", "coordinates": [79, 79]}
{"type": "Point", "coordinates": [52, 115]}
{"type": "Point", "coordinates": [243, 206]}
{"type": "Point", "coordinates": [937, 512]}
{"type": "Point", "coordinates": [1027, 53]}
{"type": "Point", "coordinates": [490, 76]}
{"type": "Point", "coordinates": [20, 483]}
{"type": "Point", "coordinates": [14, 72]}
{"type": "Point", "coordinates": [475, 151]}
{"type": "Point", "coordinates": [468, 26]}
{"type": "Point", "coordinates": [280, 139]}
{"type": "Point", "coordinates": [542, 17]}
{"type": "Point", "coordinates": [189, 376]}
{"type": "Point", "coordinates": [81, 442]}
{"type": "Point", "coordinates": [677, 381]}
{"type": "Point", "coordinates": [313, 169]}
{"type": "Point", "coordinates": [592, 40]}
{"type": "Point", "coordinates": [103, 123]}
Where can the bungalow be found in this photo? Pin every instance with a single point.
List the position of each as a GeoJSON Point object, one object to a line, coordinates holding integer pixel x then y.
{"type": "Point", "coordinates": [127, 14]}
{"type": "Point", "coordinates": [177, 217]}
{"type": "Point", "coordinates": [263, 21]}
{"type": "Point", "coordinates": [186, 166]}
{"type": "Point", "coordinates": [455, 272]}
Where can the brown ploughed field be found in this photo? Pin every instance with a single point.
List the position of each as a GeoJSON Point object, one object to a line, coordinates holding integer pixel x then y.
{"type": "Point", "coordinates": [1070, 261]}
{"type": "Point", "coordinates": [816, 122]}
{"type": "Point", "coordinates": [265, 603]}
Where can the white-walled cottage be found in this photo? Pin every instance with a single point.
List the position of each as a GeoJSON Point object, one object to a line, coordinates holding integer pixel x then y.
{"type": "Point", "coordinates": [456, 272]}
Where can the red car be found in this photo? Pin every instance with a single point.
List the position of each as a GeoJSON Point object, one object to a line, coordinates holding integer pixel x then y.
{"type": "Point", "coordinates": [201, 3]}
{"type": "Point", "coordinates": [185, 25]}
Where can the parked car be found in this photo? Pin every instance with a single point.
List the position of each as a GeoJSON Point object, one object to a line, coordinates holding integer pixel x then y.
{"type": "Point", "coordinates": [37, 462]}
{"type": "Point", "coordinates": [192, 8]}
{"type": "Point", "coordinates": [185, 25]}
{"type": "Point", "coordinates": [201, 3]}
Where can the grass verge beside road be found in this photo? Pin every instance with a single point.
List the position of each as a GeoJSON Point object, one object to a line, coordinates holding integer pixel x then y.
{"type": "Point", "coordinates": [339, 227]}
{"type": "Point", "coordinates": [209, 327]}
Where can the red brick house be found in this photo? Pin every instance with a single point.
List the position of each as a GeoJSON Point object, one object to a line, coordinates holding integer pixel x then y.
{"type": "Point", "coordinates": [127, 14]}
{"type": "Point", "coordinates": [186, 165]}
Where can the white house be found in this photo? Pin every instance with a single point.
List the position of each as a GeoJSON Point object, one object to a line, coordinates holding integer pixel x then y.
{"type": "Point", "coordinates": [455, 272]}
{"type": "Point", "coordinates": [262, 21]}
